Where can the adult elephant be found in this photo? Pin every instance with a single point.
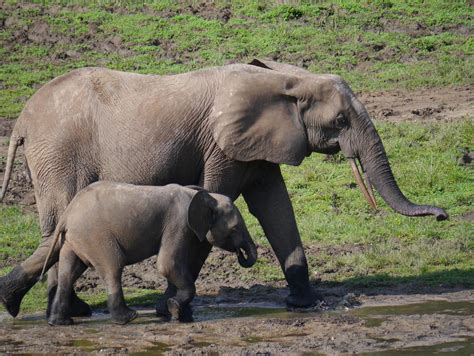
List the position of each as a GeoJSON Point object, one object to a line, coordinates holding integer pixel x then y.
{"type": "Point", "coordinates": [226, 128]}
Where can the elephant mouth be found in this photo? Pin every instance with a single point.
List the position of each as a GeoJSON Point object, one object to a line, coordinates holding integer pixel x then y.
{"type": "Point", "coordinates": [328, 150]}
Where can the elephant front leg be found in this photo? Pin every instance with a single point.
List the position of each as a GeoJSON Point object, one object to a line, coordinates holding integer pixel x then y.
{"type": "Point", "coordinates": [179, 305]}
{"type": "Point", "coordinates": [197, 254]}
{"type": "Point", "coordinates": [161, 304]}
{"type": "Point", "coordinates": [269, 202]}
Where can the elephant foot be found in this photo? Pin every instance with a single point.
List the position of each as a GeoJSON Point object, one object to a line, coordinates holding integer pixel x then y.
{"type": "Point", "coordinates": [162, 312]}
{"type": "Point", "coordinates": [12, 305]}
{"type": "Point", "coordinates": [182, 314]}
{"type": "Point", "coordinates": [13, 288]}
{"type": "Point", "coordinates": [163, 318]}
{"type": "Point", "coordinates": [55, 320]}
{"type": "Point", "coordinates": [78, 307]}
{"type": "Point", "coordinates": [303, 300]}
{"type": "Point", "coordinates": [124, 317]}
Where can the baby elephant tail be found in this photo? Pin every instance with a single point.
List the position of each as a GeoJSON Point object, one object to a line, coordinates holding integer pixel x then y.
{"type": "Point", "coordinates": [59, 232]}
{"type": "Point", "coordinates": [14, 143]}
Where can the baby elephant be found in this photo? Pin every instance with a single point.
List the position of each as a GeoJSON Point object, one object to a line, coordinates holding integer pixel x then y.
{"type": "Point", "coordinates": [110, 225]}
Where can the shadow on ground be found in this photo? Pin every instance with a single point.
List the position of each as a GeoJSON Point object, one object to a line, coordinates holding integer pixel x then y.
{"type": "Point", "coordinates": [334, 294]}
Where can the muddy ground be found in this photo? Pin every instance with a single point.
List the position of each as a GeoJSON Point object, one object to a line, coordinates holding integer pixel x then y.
{"type": "Point", "coordinates": [360, 320]}
{"type": "Point", "coordinates": [386, 324]}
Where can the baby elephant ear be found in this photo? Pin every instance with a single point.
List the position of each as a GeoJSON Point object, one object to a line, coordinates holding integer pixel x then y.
{"type": "Point", "coordinates": [201, 214]}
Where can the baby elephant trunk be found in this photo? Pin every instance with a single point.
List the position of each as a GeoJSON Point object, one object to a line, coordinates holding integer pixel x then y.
{"type": "Point", "coordinates": [247, 253]}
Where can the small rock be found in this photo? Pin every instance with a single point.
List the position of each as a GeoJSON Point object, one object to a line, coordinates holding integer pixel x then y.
{"type": "Point", "coordinates": [387, 112]}
{"type": "Point", "coordinates": [73, 54]}
{"type": "Point", "coordinates": [116, 40]}
{"type": "Point", "coordinates": [349, 300]}
{"type": "Point", "coordinates": [10, 21]}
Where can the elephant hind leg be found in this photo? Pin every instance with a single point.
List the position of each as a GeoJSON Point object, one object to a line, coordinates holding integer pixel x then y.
{"type": "Point", "coordinates": [19, 281]}
{"type": "Point", "coordinates": [70, 269]}
{"type": "Point", "coordinates": [120, 313]}
{"type": "Point", "coordinates": [13, 288]}
{"type": "Point", "coordinates": [51, 205]}
{"type": "Point", "coordinates": [50, 211]}
{"type": "Point", "coordinates": [77, 306]}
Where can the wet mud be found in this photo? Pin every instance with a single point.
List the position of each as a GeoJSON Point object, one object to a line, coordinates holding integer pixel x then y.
{"type": "Point", "coordinates": [425, 324]}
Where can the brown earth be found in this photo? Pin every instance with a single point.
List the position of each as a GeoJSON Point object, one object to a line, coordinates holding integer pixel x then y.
{"type": "Point", "coordinates": [222, 282]}
{"type": "Point", "coordinates": [440, 104]}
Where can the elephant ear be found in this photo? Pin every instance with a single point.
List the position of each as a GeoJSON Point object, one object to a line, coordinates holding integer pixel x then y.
{"type": "Point", "coordinates": [256, 117]}
{"type": "Point", "coordinates": [201, 213]}
{"type": "Point", "coordinates": [280, 67]}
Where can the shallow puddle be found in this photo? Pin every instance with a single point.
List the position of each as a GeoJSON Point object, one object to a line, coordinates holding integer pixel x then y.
{"type": "Point", "coordinates": [241, 310]}
{"type": "Point", "coordinates": [430, 307]}
{"type": "Point", "coordinates": [463, 347]}
{"type": "Point", "coordinates": [158, 348]}
{"type": "Point", "coordinates": [375, 316]}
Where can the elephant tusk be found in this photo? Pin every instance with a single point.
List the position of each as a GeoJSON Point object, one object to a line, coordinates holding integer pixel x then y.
{"type": "Point", "coordinates": [371, 188]}
{"type": "Point", "coordinates": [360, 183]}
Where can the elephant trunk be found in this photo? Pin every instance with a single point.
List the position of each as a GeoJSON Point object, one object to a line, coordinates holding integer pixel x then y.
{"type": "Point", "coordinates": [369, 149]}
{"type": "Point", "coordinates": [247, 253]}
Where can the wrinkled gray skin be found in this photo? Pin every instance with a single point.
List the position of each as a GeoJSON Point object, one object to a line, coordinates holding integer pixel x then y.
{"type": "Point", "coordinates": [111, 225]}
{"type": "Point", "coordinates": [226, 129]}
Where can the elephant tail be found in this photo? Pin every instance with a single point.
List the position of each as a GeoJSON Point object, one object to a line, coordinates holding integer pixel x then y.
{"type": "Point", "coordinates": [15, 141]}
{"type": "Point", "coordinates": [59, 232]}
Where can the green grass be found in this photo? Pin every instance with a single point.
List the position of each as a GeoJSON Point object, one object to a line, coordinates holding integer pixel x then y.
{"type": "Point", "coordinates": [36, 299]}
{"type": "Point", "coordinates": [375, 45]}
{"type": "Point", "coordinates": [19, 234]}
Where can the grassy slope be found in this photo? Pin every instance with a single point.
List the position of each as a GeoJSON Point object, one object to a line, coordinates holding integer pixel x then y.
{"type": "Point", "coordinates": [374, 45]}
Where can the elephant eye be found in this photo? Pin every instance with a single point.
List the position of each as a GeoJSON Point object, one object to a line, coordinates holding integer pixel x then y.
{"type": "Point", "coordinates": [340, 121]}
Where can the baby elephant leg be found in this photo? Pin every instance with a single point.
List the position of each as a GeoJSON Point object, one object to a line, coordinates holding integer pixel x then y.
{"type": "Point", "coordinates": [187, 290]}
{"type": "Point", "coordinates": [161, 304]}
{"type": "Point", "coordinates": [70, 269]}
{"type": "Point", "coordinates": [178, 306]}
{"type": "Point", "coordinates": [120, 313]}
